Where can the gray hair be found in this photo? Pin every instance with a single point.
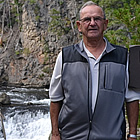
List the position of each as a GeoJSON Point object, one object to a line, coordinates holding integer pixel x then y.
{"type": "Point", "coordinates": [89, 3]}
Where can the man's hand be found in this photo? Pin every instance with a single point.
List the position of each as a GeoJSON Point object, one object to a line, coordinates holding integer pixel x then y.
{"type": "Point", "coordinates": [55, 137]}
{"type": "Point", "coordinates": [131, 139]}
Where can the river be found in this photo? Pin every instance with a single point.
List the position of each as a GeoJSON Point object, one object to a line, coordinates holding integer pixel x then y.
{"type": "Point", "coordinates": [27, 118]}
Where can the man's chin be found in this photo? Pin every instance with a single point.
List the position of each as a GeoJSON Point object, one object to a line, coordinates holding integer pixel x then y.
{"type": "Point", "coordinates": [93, 35]}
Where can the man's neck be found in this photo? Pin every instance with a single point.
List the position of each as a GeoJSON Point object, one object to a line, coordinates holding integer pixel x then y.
{"type": "Point", "coordinates": [95, 47]}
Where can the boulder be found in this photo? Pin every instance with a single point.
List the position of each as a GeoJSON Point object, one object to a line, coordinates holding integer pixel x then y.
{"type": "Point", "coordinates": [4, 99]}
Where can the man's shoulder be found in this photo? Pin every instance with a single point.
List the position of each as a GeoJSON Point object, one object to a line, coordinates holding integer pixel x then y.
{"type": "Point", "coordinates": [69, 47]}
{"type": "Point", "coordinates": [72, 54]}
{"type": "Point", "coordinates": [119, 47]}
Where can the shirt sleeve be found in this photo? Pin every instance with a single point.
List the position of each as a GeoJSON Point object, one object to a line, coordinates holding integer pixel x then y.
{"type": "Point", "coordinates": [55, 90]}
{"type": "Point", "coordinates": [131, 94]}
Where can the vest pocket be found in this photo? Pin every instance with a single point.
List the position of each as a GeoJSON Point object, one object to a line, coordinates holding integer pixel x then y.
{"type": "Point", "coordinates": [114, 78]}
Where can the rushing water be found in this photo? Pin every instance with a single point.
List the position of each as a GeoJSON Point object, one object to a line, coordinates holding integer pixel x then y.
{"type": "Point", "coordinates": [28, 116]}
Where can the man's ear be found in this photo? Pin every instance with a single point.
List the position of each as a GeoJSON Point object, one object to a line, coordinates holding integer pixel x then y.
{"type": "Point", "coordinates": [78, 26]}
{"type": "Point", "coordinates": [105, 24]}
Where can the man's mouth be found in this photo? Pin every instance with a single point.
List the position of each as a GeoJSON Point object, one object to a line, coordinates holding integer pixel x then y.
{"type": "Point", "coordinates": [93, 29]}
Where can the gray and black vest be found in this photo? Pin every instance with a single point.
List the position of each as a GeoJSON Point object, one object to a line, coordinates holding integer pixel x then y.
{"type": "Point", "coordinates": [76, 120]}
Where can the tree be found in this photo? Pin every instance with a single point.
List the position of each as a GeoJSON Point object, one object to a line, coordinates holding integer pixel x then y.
{"type": "Point", "coordinates": [2, 30]}
{"type": "Point", "coordinates": [124, 21]}
{"type": "Point", "coordinates": [128, 17]}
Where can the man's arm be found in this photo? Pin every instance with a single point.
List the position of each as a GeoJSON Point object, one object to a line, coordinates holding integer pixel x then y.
{"type": "Point", "coordinates": [132, 113]}
{"type": "Point", "coordinates": [54, 113]}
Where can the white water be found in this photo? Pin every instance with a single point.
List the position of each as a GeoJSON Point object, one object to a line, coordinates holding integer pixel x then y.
{"type": "Point", "coordinates": [25, 125]}
{"type": "Point", "coordinates": [32, 128]}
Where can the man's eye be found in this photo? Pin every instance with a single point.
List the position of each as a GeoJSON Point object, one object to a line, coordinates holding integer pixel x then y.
{"type": "Point", "coordinates": [87, 19]}
{"type": "Point", "coordinates": [97, 18]}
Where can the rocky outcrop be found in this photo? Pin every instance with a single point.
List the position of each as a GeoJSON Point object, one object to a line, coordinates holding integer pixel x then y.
{"type": "Point", "coordinates": [31, 45]}
{"type": "Point", "coordinates": [4, 99]}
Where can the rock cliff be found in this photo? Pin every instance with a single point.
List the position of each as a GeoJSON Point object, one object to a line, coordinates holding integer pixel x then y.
{"type": "Point", "coordinates": [32, 34]}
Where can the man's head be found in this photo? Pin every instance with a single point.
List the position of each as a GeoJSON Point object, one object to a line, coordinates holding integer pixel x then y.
{"type": "Point", "coordinates": [92, 21]}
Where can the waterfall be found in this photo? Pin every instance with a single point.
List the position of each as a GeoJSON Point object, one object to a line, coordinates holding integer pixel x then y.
{"type": "Point", "coordinates": [28, 117]}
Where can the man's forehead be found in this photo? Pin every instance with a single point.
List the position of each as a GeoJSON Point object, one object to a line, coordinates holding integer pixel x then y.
{"type": "Point", "coordinates": [92, 9]}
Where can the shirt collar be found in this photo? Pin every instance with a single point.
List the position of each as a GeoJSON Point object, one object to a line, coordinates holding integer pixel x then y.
{"type": "Point", "coordinates": [90, 55]}
{"type": "Point", "coordinates": [108, 47]}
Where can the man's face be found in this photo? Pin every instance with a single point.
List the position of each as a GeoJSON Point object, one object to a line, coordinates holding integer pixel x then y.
{"type": "Point", "coordinates": [92, 23]}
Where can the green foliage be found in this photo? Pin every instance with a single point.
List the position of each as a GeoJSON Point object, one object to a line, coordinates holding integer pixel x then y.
{"type": "Point", "coordinates": [126, 14]}
{"type": "Point", "coordinates": [36, 9]}
{"type": "Point", "coordinates": [32, 1]}
{"type": "Point", "coordinates": [59, 25]}
{"type": "Point", "coordinates": [41, 76]}
{"type": "Point", "coordinates": [129, 16]}
{"type": "Point", "coordinates": [1, 1]}
{"type": "Point", "coordinates": [46, 52]}
{"type": "Point", "coordinates": [19, 52]}
{"type": "Point", "coordinates": [26, 51]}
{"type": "Point", "coordinates": [61, 2]}
{"type": "Point", "coordinates": [16, 2]}
{"type": "Point", "coordinates": [37, 18]}
{"type": "Point", "coordinates": [46, 70]}
{"type": "Point", "coordinates": [15, 13]}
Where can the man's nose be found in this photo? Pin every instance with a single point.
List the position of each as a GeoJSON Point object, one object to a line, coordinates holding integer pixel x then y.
{"type": "Point", "coordinates": [93, 22]}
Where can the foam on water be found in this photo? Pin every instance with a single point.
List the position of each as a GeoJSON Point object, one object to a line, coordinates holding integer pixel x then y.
{"type": "Point", "coordinates": [28, 127]}
{"type": "Point", "coordinates": [24, 124]}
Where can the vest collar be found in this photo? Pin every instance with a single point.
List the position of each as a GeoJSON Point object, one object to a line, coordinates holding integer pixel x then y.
{"type": "Point", "coordinates": [109, 47]}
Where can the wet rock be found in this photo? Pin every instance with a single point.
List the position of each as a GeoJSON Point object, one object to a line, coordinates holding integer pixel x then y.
{"type": "Point", "coordinates": [4, 99]}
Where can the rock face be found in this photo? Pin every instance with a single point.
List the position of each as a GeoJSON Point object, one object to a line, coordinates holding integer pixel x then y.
{"type": "Point", "coordinates": [4, 99]}
{"type": "Point", "coordinates": [34, 39]}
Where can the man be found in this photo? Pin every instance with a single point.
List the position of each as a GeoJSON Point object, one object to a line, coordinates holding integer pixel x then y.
{"type": "Point", "coordinates": [89, 86]}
